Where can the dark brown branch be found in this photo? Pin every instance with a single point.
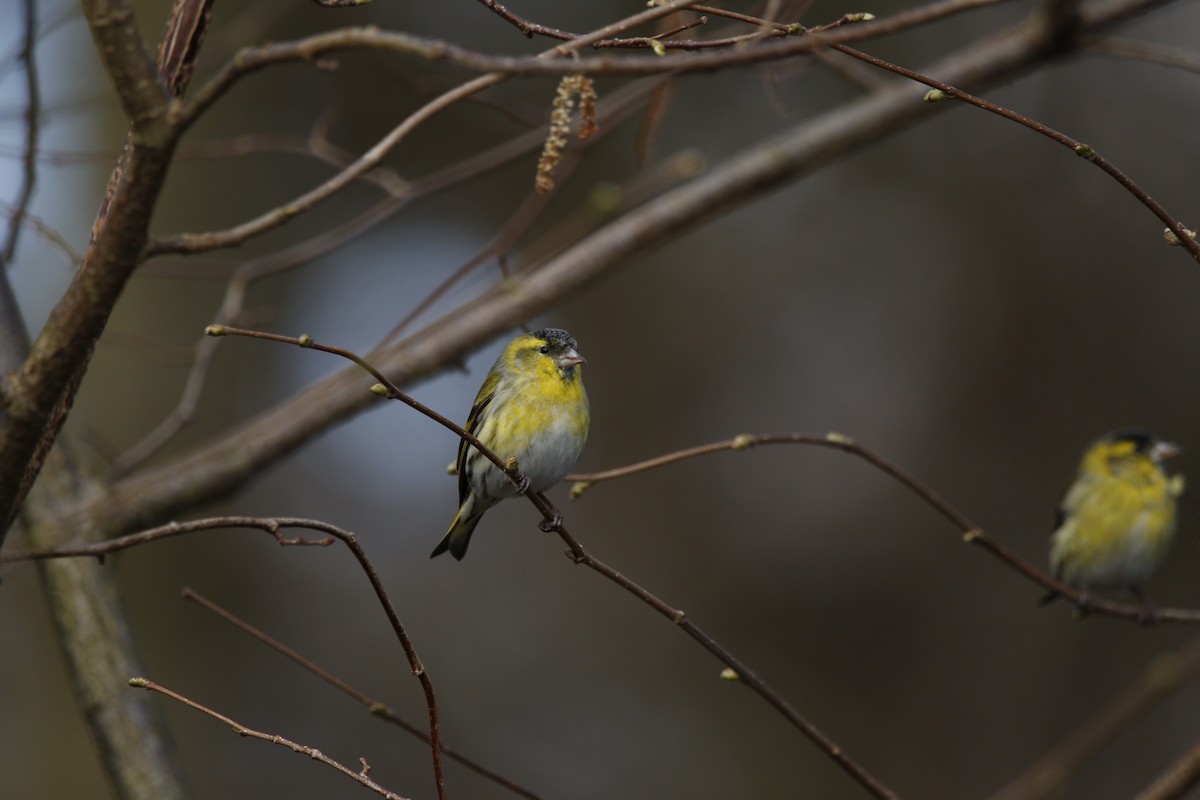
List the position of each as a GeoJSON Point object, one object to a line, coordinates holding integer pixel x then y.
{"type": "Point", "coordinates": [376, 708]}
{"type": "Point", "coordinates": [181, 41]}
{"type": "Point", "coordinates": [273, 738]}
{"type": "Point", "coordinates": [1079, 148]}
{"type": "Point", "coordinates": [743, 673]}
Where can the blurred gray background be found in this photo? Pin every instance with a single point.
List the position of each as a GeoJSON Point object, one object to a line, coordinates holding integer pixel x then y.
{"type": "Point", "coordinates": [965, 297]}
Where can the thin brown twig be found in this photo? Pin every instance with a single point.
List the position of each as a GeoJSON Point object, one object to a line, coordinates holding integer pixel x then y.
{"type": "Point", "coordinates": [314, 145]}
{"type": "Point", "coordinates": [57, 242]}
{"type": "Point", "coordinates": [241, 730]}
{"type": "Point", "coordinates": [1180, 777]}
{"type": "Point", "coordinates": [1080, 149]}
{"type": "Point", "coordinates": [389, 389]}
{"type": "Point", "coordinates": [561, 60]}
{"type": "Point", "coordinates": [518, 223]}
{"type": "Point", "coordinates": [1145, 51]}
{"type": "Point", "coordinates": [33, 112]}
{"type": "Point", "coordinates": [553, 521]}
{"type": "Point", "coordinates": [99, 550]}
{"type": "Point", "coordinates": [247, 62]}
{"type": "Point", "coordinates": [11, 58]}
{"type": "Point", "coordinates": [1164, 674]}
{"type": "Point", "coordinates": [972, 533]}
{"type": "Point", "coordinates": [376, 708]}
{"type": "Point", "coordinates": [274, 526]}
{"type": "Point", "coordinates": [1064, 20]}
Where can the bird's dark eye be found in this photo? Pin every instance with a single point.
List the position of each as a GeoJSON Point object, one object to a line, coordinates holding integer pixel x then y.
{"type": "Point", "coordinates": [544, 349]}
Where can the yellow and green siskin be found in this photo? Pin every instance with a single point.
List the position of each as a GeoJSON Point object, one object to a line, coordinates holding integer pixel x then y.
{"type": "Point", "coordinates": [531, 406]}
{"type": "Point", "coordinates": [1116, 522]}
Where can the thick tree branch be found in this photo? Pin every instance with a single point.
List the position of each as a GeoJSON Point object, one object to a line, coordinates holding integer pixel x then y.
{"type": "Point", "coordinates": [38, 396]}
{"type": "Point", "coordinates": [93, 629]}
{"type": "Point", "coordinates": [130, 67]}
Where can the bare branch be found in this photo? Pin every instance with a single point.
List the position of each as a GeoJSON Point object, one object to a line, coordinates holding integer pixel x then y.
{"type": "Point", "coordinates": [1178, 780]}
{"type": "Point", "coordinates": [377, 708]}
{"type": "Point", "coordinates": [972, 533]}
{"type": "Point", "coordinates": [1146, 51]}
{"type": "Point", "coordinates": [33, 110]}
{"type": "Point", "coordinates": [1080, 149]}
{"type": "Point", "coordinates": [1166, 673]}
{"type": "Point", "coordinates": [57, 241]}
{"type": "Point", "coordinates": [242, 730]}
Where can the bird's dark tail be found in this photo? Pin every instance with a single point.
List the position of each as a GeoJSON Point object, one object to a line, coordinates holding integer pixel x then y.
{"type": "Point", "coordinates": [459, 535]}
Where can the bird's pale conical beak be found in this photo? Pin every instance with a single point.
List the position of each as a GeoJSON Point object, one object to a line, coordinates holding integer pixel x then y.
{"type": "Point", "coordinates": [1161, 451]}
{"type": "Point", "coordinates": [570, 358]}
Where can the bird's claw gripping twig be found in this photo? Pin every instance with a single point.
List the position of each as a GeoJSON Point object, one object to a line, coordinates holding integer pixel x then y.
{"type": "Point", "coordinates": [553, 524]}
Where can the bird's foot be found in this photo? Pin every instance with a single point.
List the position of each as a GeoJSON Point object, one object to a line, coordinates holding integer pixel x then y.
{"type": "Point", "coordinates": [1148, 615]}
{"type": "Point", "coordinates": [554, 523]}
{"type": "Point", "coordinates": [1083, 606]}
{"type": "Point", "coordinates": [514, 473]}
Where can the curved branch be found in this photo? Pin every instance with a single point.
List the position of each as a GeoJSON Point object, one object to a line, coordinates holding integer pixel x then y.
{"type": "Point", "coordinates": [273, 738]}
{"type": "Point", "coordinates": [200, 242]}
{"type": "Point", "coordinates": [972, 533]}
{"type": "Point", "coordinates": [377, 708]}
{"type": "Point", "coordinates": [559, 60]}
{"type": "Point", "coordinates": [1182, 234]}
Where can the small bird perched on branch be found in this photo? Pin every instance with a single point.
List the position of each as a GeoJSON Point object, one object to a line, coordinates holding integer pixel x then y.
{"type": "Point", "coordinates": [531, 407]}
{"type": "Point", "coordinates": [1116, 522]}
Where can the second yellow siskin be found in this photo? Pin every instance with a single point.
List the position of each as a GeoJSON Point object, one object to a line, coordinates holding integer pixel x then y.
{"type": "Point", "coordinates": [1116, 522]}
{"type": "Point", "coordinates": [531, 406]}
